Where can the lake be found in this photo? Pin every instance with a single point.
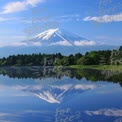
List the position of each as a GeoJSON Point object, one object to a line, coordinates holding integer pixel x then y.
{"type": "Point", "coordinates": [60, 94]}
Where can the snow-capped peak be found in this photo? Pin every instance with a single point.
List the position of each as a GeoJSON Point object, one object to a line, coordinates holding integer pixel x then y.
{"type": "Point", "coordinates": [58, 36]}
{"type": "Point", "coordinates": [47, 34]}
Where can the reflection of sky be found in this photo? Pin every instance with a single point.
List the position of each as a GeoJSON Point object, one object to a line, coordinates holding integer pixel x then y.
{"type": "Point", "coordinates": [22, 100]}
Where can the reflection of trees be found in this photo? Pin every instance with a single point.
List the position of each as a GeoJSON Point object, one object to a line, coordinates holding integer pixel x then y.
{"type": "Point", "coordinates": [59, 71]}
{"type": "Point", "coordinates": [35, 72]}
{"type": "Point", "coordinates": [98, 75]}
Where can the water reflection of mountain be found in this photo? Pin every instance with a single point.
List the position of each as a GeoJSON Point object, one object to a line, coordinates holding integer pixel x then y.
{"type": "Point", "coordinates": [59, 72]}
{"type": "Point", "coordinates": [56, 93]}
{"type": "Point", "coordinates": [53, 87]}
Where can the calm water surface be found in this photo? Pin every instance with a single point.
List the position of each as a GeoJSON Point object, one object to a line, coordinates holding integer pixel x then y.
{"type": "Point", "coordinates": [37, 94]}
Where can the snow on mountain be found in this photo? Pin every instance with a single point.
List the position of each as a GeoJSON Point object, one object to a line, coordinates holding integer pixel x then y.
{"type": "Point", "coordinates": [57, 93]}
{"type": "Point", "coordinates": [58, 37]}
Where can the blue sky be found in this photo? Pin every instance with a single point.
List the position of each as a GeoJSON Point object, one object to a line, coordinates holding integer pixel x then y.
{"type": "Point", "coordinates": [97, 20]}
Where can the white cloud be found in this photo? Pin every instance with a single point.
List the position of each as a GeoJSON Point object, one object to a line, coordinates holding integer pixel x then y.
{"type": "Point", "coordinates": [64, 43]}
{"type": "Point", "coordinates": [106, 112]}
{"type": "Point", "coordinates": [14, 7]}
{"type": "Point", "coordinates": [34, 2]}
{"type": "Point", "coordinates": [76, 87]}
{"type": "Point", "coordinates": [18, 6]}
{"type": "Point", "coordinates": [4, 19]}
{"type": "Point", "coordinates": [84, 43]}
{"type": "Point", "coordinates": [25, 44]}
{"type": "Point", "coordinates": [18, 44]}
{"type": "Point", "coordinates": [85, 87]}
{"type": "Point", "coordinates": [105, 18]}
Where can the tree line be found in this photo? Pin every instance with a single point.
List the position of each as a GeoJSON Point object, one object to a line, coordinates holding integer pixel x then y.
{"type": "Point", "coordinates": [105, 57]}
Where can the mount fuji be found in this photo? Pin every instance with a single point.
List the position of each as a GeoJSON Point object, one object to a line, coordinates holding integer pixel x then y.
{"type": "Point", "coordinates": [58, 36]}
{"type": "Point", "coordinates": [53, 41]}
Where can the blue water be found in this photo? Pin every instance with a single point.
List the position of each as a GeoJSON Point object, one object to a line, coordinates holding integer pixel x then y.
{"type": "Point", "coordinates": [59, 100]}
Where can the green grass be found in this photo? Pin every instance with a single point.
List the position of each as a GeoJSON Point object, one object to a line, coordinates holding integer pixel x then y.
{"type": "Point", "coordinates": [99, 67]}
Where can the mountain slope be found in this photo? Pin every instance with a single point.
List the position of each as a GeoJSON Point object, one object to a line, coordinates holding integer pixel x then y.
{"type": "Point", "coordinates": [58, 37]}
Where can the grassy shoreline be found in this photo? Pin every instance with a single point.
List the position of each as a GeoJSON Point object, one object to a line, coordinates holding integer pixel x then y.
{"type": "Point", "coordinates": [98, 67]}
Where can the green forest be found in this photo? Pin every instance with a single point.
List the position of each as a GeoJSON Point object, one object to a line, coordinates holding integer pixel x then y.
{"type": "Point", "coordinates": [105, 57]}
